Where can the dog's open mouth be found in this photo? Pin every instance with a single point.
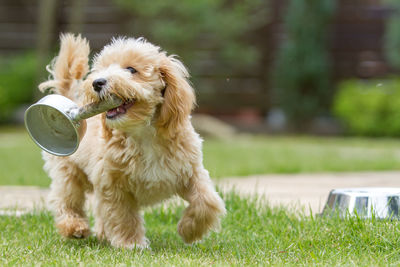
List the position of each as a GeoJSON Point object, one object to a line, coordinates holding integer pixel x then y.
{"type": "Point", "coordinates": [120, 110]}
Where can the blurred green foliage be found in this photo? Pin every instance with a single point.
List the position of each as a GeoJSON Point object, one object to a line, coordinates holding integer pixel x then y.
{"type": "Point", "coordinates": [392, 36]}
{"type": "Point", "coordinates": [17, 82]}
{"type": "Point", "coordinates": [201, 30]}
{"type": "Point", "coordinates": [303, 69]}
{"type": "Point", "coordinates": [370, 108]}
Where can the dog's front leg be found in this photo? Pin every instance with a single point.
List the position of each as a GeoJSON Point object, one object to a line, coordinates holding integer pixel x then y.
{"type": "Point", "coordinates": [118, 219]}
{"type": "Point", "coordinates": [204, 210]}
{"type": "Point", "coordinates": [67, 199]}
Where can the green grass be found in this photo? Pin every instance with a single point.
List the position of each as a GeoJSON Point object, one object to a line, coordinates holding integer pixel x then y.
{"type": "Point", "coordinates": [21, 162]}
{"type": "Point", "coordinates": [261, 155]}
{"type": "Point", "coordinates": [251, 234]}
{"type": "Point", "coordinates": [20, 159]}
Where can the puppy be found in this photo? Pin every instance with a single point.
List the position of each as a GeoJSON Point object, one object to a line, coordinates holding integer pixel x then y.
{"type": "Point", "coordinates": [132, 156]}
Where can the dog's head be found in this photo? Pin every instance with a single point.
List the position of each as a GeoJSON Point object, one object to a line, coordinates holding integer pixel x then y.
{"type": "Point", "coordinates": [154, 86]}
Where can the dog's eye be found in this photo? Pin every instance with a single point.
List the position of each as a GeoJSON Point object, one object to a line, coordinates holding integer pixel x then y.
{"type": "Point", "coordinates": [131, 69]}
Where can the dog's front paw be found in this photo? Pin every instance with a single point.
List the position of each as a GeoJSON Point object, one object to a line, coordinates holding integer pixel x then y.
{"type": "Point", "coordinates": [73, 227]}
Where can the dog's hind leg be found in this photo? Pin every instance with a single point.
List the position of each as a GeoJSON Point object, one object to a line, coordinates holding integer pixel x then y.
{"type": "Point", "coordinates": [204, 210]}
{"type": "Point", "coordinates": [118, 219]}
{"type": "Point", "coordinates": [67, 198]}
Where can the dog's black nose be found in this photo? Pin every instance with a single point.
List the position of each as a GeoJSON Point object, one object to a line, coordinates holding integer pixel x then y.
{"type": "Point", "coordinates": [98, 84]}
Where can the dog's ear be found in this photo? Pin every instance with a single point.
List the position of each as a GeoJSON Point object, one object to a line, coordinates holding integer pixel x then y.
{"type": "Point", "coordinates": [179, 97]}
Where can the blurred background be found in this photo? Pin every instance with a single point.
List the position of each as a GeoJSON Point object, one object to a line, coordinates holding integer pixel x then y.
{"type": "Point", "coordinates": [314, 67]}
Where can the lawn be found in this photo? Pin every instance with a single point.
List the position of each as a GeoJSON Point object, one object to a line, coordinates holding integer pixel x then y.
{"type": "Point", "coordinates": [20, 159]}
{"type": "Point", "coordinates": [21, 162]}
{"type": "Point", "coordinates": [251, 234]}
{"type": "Point", "coordinates": [300, 154]}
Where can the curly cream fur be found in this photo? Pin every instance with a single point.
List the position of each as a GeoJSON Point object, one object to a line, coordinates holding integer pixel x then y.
{"type": "Point", "coordinates": [69, 67]}
{"type": "Point", "coordinates": [138, 159]}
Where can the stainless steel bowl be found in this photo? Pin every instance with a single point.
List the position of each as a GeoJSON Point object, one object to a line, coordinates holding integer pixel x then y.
{"type": "Point", "coordinates": [57, 125]}
{"type": "Point", "coordinates": [365, 202]}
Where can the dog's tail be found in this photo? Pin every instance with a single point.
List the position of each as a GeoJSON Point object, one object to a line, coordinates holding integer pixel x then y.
{"type": "Point", "coordinates": [70, 66]}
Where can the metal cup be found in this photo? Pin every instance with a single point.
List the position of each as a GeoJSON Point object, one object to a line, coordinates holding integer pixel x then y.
{"type": "Point", "coordinates": [57, 125]}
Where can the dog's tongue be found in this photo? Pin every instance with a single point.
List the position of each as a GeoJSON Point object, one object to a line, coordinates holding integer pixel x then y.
{"type": "Point", "coordinates": [115, 111]}
{"type": "Point", "coordinates": [112, 113]}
